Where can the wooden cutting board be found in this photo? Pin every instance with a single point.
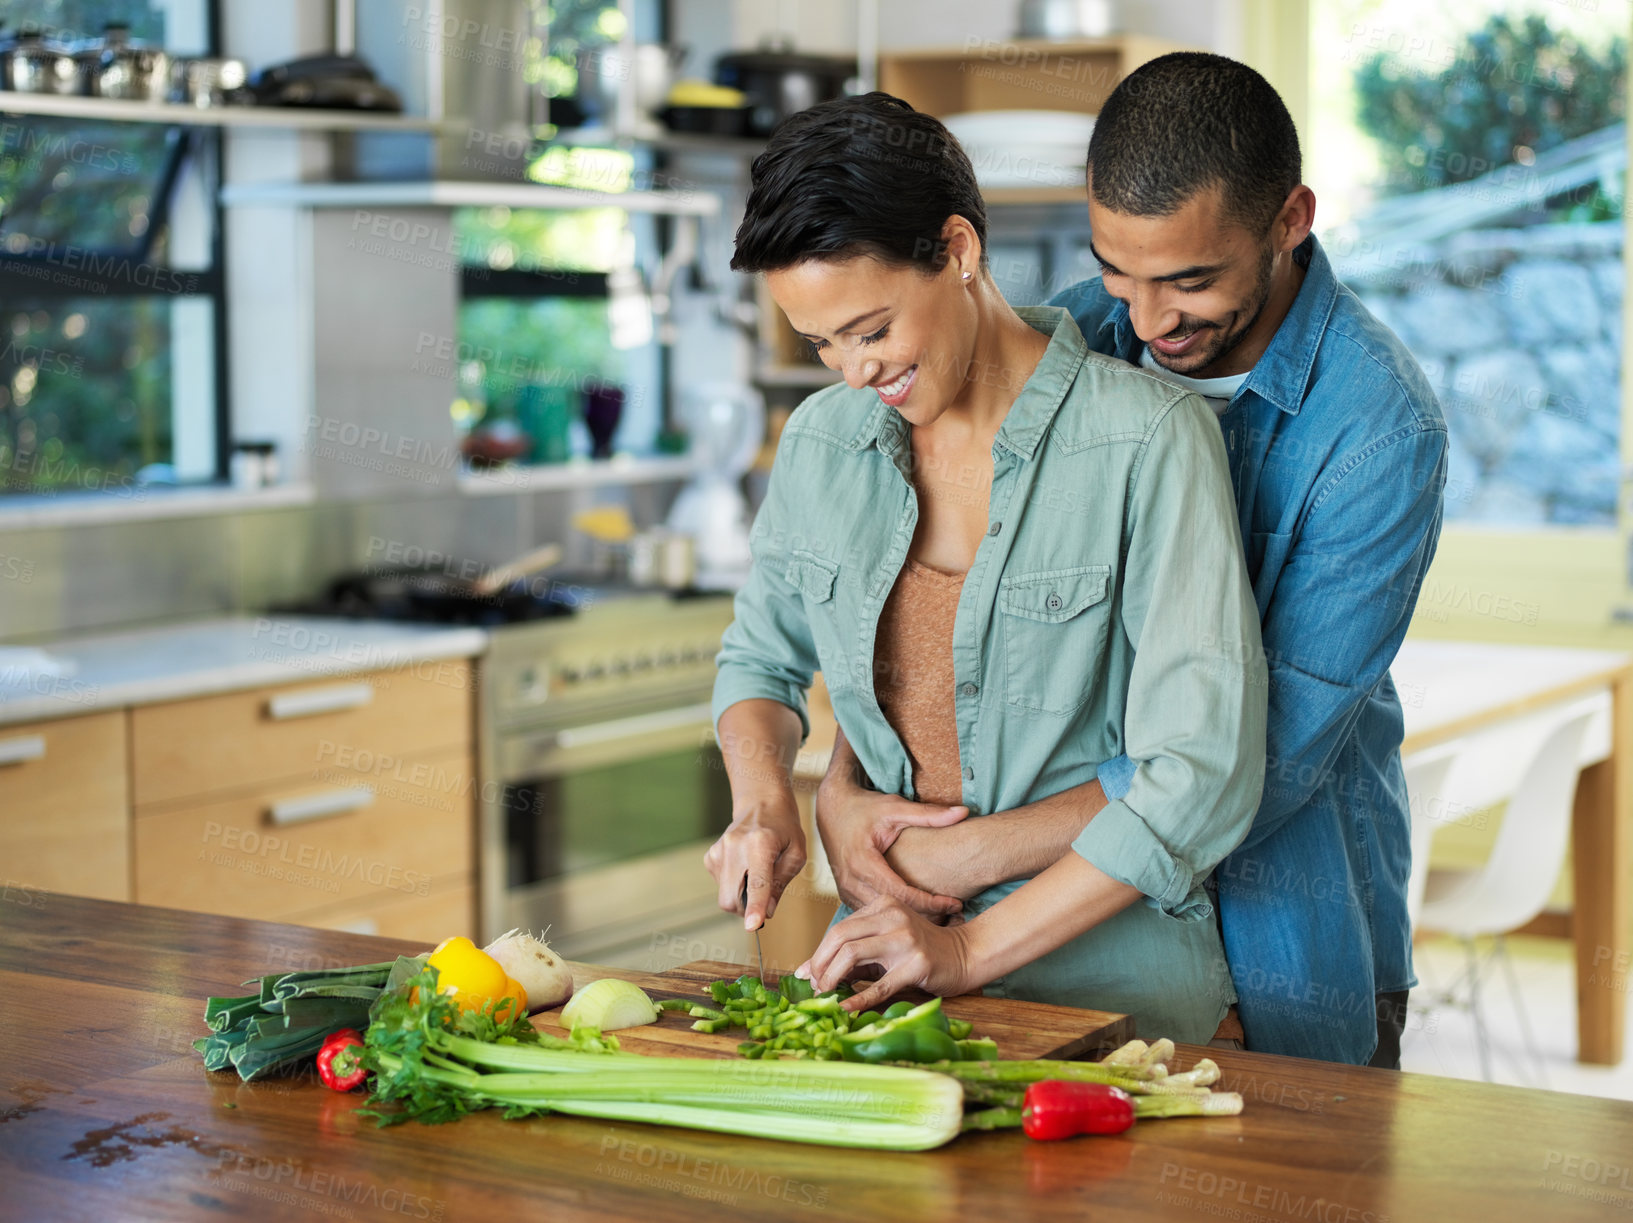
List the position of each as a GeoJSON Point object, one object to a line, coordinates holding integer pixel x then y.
{"type": "Point", "coordinates": [1022, 1029]}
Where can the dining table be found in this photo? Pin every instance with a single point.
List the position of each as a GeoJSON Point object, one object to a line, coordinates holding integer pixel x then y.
{"type": "Point", "coordinates": [1489, 702]}
{"type": "Point", "coordinates": [107, 1113]}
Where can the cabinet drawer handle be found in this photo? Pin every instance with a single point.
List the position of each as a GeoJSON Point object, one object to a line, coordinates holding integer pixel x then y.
{"type": "Point", "coordinates": [320, 806]}
{"type": "Point", "coordinates": [22, 749]}
{"type": "Point", "coordinates": [333, 699]}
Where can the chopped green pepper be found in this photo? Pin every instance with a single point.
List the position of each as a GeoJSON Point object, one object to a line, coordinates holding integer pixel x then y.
{"type": "Point", "coordinates": [919, 1044]}
{"type": "Point", "coordinates": [795, 989]}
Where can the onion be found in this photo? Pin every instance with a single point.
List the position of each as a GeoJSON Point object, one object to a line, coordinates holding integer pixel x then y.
{"type": "Point", "coordinates": [534, 967]}
{"type": "Point", "coordinates": [609, 1004]}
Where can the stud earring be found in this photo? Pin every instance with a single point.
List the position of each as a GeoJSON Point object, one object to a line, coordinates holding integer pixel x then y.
{"type": "Point", "coordinates": [967, 275]}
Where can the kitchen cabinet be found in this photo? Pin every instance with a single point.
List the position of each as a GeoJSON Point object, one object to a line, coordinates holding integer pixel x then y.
{"type": "Point", "coordinates": [346, 802]}
{"type": "Point", "coordinates": [429, 918]}
{"type": "Point", "coordinates": [64, 806]}
{"type": "Point", "coordinates": [309, 770]}
{"type": "Point", "coordinates": [187, 749]}
{"type": "Point", "coordinates": [309, 842]}
{"type": "Point", "coordinates": [1020, 74]}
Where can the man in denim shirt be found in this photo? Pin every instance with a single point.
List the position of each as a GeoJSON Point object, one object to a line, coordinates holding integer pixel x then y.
{"type": "Point", "coordinates": [1337, 450]}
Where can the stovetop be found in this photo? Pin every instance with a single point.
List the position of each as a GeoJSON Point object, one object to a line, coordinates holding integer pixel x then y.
{"type": "Point", "coordinates": [421, 597]}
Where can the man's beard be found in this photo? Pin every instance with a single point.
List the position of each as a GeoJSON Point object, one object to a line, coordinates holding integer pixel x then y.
{"type": "Point", "coordinates": [1223, 342]}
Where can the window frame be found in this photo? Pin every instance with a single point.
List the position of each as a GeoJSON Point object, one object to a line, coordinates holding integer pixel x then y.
{"type": "Point", "coordinates": [207, 146]}
{"type": "Point", "coordinates": [478, 282]}
{"type": "Point", "coordinates": [1577, 578]}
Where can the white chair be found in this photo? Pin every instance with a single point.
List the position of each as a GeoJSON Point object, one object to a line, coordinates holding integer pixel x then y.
{"type": "Point", "coordinates": [1426, 775]}
{"type": "Point", "coordinates": [1516, 881]}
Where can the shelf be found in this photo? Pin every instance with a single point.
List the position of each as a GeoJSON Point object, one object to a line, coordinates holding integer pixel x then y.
{"type": "Point", "coordinates": [144, 501]}
{"type": "Point", "coordinates": [667, 141]}
{"type": "Point", "coordinates": [1027, 52]}
{"type": "Point", "coordinates": [1000, 196]}
{"type": "Point", "coordinates": [796, 375]}
{"type": "Point", "coordinates": [466, 195]}
{"type": "Point", "coordinates": [68, 106]}
{"type": "Point", "coordinates": [579, 473]}
{"type": "Point", "coordinates": [1016, 74]}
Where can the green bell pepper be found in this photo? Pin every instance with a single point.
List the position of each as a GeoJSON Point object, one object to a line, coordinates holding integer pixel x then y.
{"type": "Point", "coordinates": [795, 989]}
{"type": "Point", "coordinates": [920, 1044]}
{"type": "Point", "coordinates": [926, 1016]}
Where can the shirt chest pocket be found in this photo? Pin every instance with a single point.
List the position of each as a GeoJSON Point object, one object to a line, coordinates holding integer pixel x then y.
{"type": "Point", "coordinates": [817, 581]}
{"type": "Point", "coordinates": [1054, 626]}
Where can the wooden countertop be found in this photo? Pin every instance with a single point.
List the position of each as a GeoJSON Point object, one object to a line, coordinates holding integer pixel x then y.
{"type": "Point", "coordinates": [107, 1113]}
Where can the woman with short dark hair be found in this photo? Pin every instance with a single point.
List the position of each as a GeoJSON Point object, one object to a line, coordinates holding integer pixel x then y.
{"type": "Point", "coordinates": [1012, 560]}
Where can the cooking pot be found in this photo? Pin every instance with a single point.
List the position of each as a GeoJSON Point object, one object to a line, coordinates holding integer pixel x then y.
{"type": "Point", "coordinates": [30, 64]}
{"type": "Point", "coordinates": [206, 82]}
{"type": "Point", "coordinates": [1064, 19]}
{"type": "Point", "coordinates": [120, 68]}
{"type": "Point", "coordinates": [780, 82]}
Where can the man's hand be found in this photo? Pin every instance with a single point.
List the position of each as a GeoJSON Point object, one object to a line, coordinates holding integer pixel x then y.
{"type": "Point", "coordinates": [944, 863]}
{"type": "Point", "coordinates": [765, 843]}
{"type": "Point", "coordinates": [859, 825]}
{"type": "Point", "coordinates": [908, 948]}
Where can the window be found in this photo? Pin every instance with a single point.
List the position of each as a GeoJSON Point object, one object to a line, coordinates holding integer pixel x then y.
{"type": "Point", "coordinates": [110, 290]}
{"type": "Point", "coordinates": [552, 301]}
{"type": "Point", "coordinates": [1469, 159]}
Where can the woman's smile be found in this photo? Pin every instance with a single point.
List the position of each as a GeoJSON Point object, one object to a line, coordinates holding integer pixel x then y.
{"type": "Point", "coordinates": [896, 391]}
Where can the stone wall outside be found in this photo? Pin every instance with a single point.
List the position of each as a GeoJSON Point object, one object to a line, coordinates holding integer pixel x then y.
{"type": "Point", "coordinates": [1519, 331]}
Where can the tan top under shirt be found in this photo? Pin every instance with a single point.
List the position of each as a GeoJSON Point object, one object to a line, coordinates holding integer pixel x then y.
{"type": "Point", "coordinates": [913, 677]}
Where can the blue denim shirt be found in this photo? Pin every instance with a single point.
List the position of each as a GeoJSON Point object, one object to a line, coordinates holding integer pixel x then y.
{"type": "Point", "coordinates": [1107, 610]}
{"type": "Point", "coordinates": [1338, 455]}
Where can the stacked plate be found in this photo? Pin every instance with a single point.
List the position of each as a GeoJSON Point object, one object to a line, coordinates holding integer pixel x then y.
{"type": "Point", "coordinates": [1025, 148]}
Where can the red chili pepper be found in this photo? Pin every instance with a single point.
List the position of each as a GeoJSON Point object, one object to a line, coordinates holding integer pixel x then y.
{"type": "Point", "coordinates": [344, 1045]}
{"type": "Point", "coordinates": [1056, 1109]}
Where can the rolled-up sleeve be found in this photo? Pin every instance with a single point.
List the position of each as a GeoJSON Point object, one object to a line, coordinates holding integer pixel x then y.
{"type": "Point", "coordinates": [1195, 714]}
{"type": "Point", "coordinates": [767, 650]}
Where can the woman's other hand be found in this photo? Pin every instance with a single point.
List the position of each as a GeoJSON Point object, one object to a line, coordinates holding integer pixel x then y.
{"type": "Point", "coordinates": [904, 946]}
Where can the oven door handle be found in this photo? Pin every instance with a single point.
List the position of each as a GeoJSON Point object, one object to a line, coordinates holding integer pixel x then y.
{"type": "Point", "coordinates": [598, 733]}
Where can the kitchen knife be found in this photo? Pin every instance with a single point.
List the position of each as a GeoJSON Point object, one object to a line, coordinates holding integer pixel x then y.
{"type": "Point", "coordinates": [758, 951]}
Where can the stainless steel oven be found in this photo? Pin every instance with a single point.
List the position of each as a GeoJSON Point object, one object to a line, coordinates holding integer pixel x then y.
{"type": "Point", "coordinates": [603, 785]}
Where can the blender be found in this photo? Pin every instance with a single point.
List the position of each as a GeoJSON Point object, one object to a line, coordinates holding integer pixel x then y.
{"type": "Point", "coordinates": [726, 423]}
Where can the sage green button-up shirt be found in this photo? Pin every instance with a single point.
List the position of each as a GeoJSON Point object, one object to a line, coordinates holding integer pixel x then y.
{"type": "Point", "coordinates": [1107, 611]}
